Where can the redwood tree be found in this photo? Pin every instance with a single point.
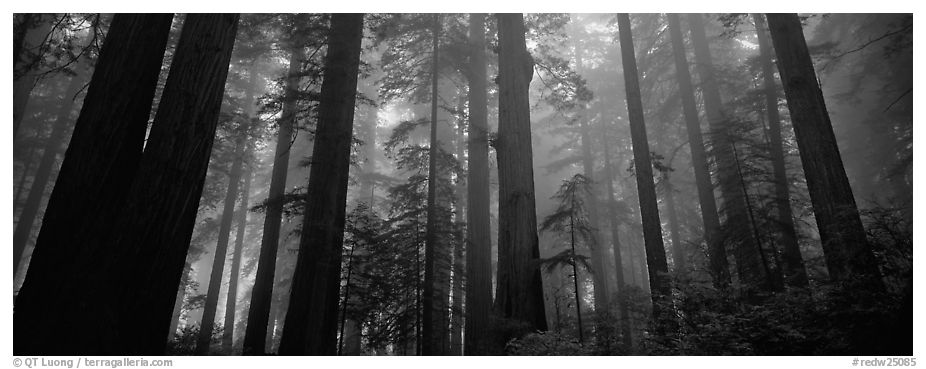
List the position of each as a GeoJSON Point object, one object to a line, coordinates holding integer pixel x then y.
{"type": "Point", "coordinates": [98, 167]}
{"type": "Point", "coordinates": [478, 231]}
{"type": "Point", "coordinates": [311, 321]}
{"type": "Point", "coordinates": [660, 287]}
{"type": "Point", "coordinates": [519, 291]}
{"type": "Point", "coordinates": [718, 256]}
{"type": "Point", "coordinates": [845, 246]}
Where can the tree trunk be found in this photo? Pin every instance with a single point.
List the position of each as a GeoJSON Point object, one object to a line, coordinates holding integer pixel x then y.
{"type": "Point", "coordinates": [178, 303]}
{"type": "Point", "coordinates": [478, 230]}
{"type": "Point", "coordinates": [519, 295]}
{"type": "Point", "coordinates": [431, 302]}
{"type": "Point", "coordinates": [792, 263]}
{"type": "Point", "coordinates": [52, 148]}
{"type": "Point", "coordinates": [746, 250]}
{"type": "Point", "coordinates": [459, 265]}
{"type": "Point", "coordinates": [844, 243]}
{"type": "Point", "coordinates": [98, 167]}
{"type": "Point", "coordinates": [660, 287]}
{"type": "Point", "coordinates": [678, 253]}
{"type": "Point", "coordinates": [311, 320]}
{"type": "Point", "coordinates": [262, 293]}
{"type": "Point", "coordinates": [160, 213]}
{"type": "Point", "coordinates": [719, 268]}
{"type": "Point", "coordinates": [204, 339]}
{"type": "Point", "coordinates": [231, 300]}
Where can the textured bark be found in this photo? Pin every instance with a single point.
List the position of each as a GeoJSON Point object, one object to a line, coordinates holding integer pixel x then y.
{"type": "Point", "coordinates": [50, 152]}
{"type": "Point", "coordinates": [459, 264]}
{"type": "Point", "coordinates": [845, 247]}
{"type": "Point", "coordinates": [660, 287]}
{"type": "Point", "coordinates": [746, 249]}
{"type": "Point", "coordinates": [478, 230]}
{"type": "Point", "coordinates": [678, 253]}
{"type": "Point", "coordinates": [719, 268]}
{"type": "Point", "coordinates": [262, 294]}
{"type": "Point", "coordinates": [231, 299]}
{"type": "Point", "coordinates": [221, 250]}
{"type": "Point", "coordinates": [311, 320]}
{"type": "Point", "coordinates": [792, 263]}
{"type": "Point", "coordinates": [97, 170]}
{"type": "Point", "coordinates": [519, 294]}
{"type": "Point", "coordinates": [160, 212]}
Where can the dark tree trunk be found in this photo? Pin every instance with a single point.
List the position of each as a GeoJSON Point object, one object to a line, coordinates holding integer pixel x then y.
{"type": "Point", "coordinates": [311, 320]}
{"type": "Point", "coordinates": [431, 302]}
{"type": "Point", "coordinates": [519, 295]}
{"type": "Point", "coordinates": [231, 300]}
{"type": "Point", "coordinates": [720, 270]}
{"type": "Point", "coordinates": [204, 339]}
{"type": "Point", "coordinates": [478, 230]}
{"type": "Point", "coordinates": [746, 249]}
{"type": "Point", "coordinates": [660, 287]}
{"type": "Point", "coordinates": [40, 180]}
{"type": "Point", "coordinates": [157, 221]}
{"type": "Point", "coordinates": [845, 247]}
{"type": "Point", "coordinates": [792, 263]}
{"type": "Point", "coordinates": [614, 223]}
{"type": "Point", "coordinates": [262, 294]}
{"type": "Point", "coordinates": [97, 170]}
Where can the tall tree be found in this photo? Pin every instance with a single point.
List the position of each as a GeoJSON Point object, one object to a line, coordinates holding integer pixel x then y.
{"type": "Point", "coordinates": [98, 167]}
{"type": "Point", "coordinates": [720, 271]}
{"type": "Point", "coordinates": [431, 300]}
{"type": "Point", "coordinates": [660, 287]}
{"type": "Point", "coordinates": [157, 220]}
{"type": "Point", "coordinates": [792, 262]}
{"type": "Point", "coordinates": [311, 320]}
{"type": "Point", "coordinates": [478, 231]}
{"type": "Point", "coordinates": [845, 246]}
{"type": "Point", "coordinates": [204, 339]}
{"type": "Point", "coordinates": [262, 293]}
{"type": "Point", "coordinates": [519, 291]}
{"type": "Point", "coordinates": [228, 334]}
{"type": "Point", "coordinates": [749, 262]}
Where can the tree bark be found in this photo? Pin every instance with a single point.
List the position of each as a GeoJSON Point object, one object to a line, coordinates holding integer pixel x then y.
{"type": "Point", "coordinates": [519, 294]}
{"type": "Point", "coordinates": [98, 167]}
{"type": "Point", "coordinates": [845, 247]}
{"type": "Point", "coordinates": [746, 249]}
{"type": "Point", "coordinates": [159, 215]}
{"type": "Point", "coordinates": [792, 263]}
{"type": "Point", "coordinates": [660, 287]}
{"type": "Point", "coordinates": [719, 268]}
{"type": "Point", "coordinates": [478, 230]}
{"type": "Point", "coordinates": [311, 320]}
{"type": "Point", "coordinates": [262, 293]}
